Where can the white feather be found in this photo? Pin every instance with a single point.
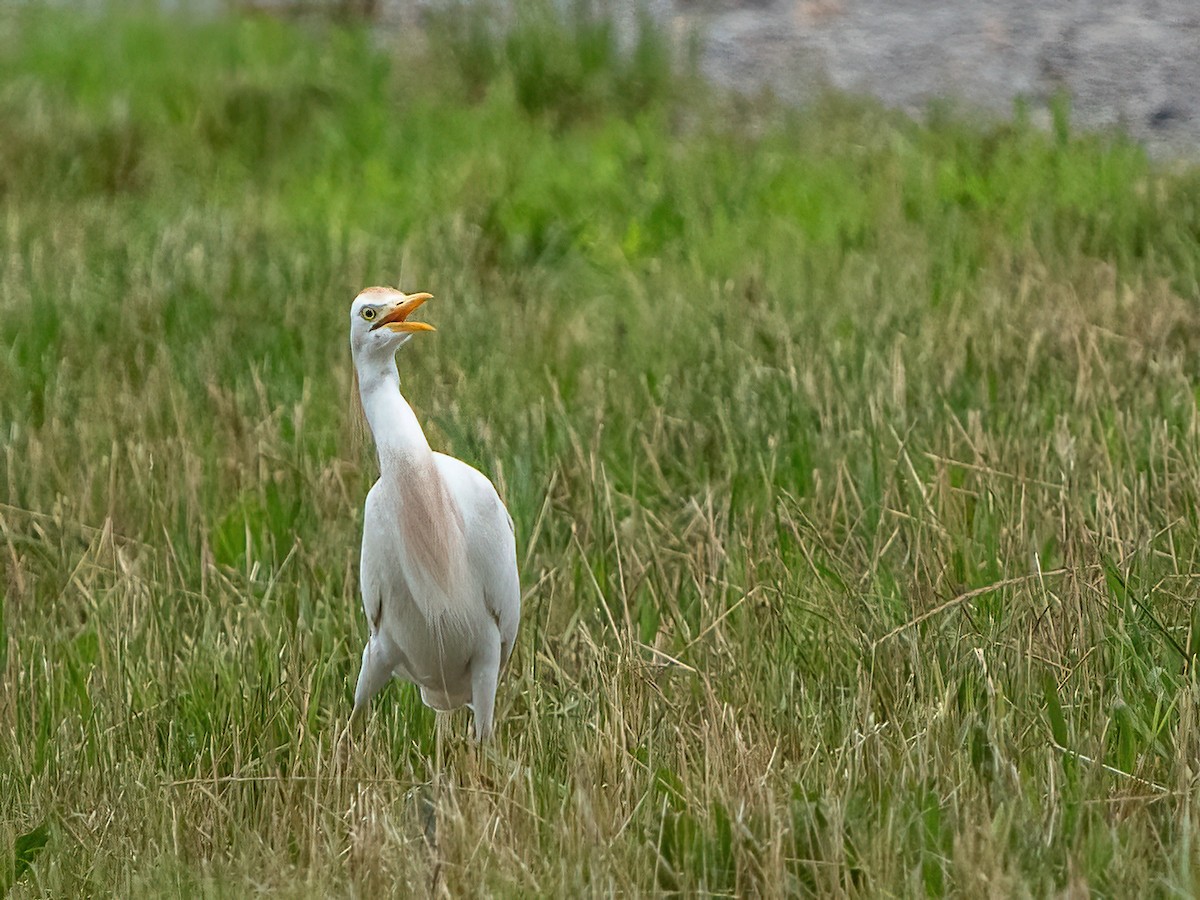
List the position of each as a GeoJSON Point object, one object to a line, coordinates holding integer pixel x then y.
{"type": "Point", "coordinates": [438, 569]}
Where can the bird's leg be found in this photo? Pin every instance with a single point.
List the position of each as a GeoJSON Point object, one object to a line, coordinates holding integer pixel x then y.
{"type": "Point", "coordinates": [379, 659]}
{"type": "Point", "coordinates": [485, 670]}
{"type": "Point", "coordinates": [357, 723]}
{"type": "Point", "coordinates": [439, 730]}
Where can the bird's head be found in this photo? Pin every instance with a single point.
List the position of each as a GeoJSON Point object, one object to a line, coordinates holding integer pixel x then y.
{"type": "Point", "coordinates": [379, 323]}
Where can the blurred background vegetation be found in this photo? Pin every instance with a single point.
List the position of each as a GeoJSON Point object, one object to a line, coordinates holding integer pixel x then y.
{"type": "Point", "coordinates": [855, 466]}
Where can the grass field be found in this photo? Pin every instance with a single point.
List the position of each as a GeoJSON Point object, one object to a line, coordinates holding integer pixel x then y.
{"type": "Point", "coordinates": [855, 466]}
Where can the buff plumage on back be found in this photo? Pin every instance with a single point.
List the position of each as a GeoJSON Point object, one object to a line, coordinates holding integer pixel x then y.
{"type": "Point", "coordinates": [432, 551]}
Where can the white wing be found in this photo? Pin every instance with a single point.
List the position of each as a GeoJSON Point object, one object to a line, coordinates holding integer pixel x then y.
{"type": "Point", "coordinates": [491, 545]}
{"type": "Point", "coordinates": [386, 595]}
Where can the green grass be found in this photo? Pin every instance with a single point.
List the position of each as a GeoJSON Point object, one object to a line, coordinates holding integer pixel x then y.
{"type": "Point", "coordinates": [886, 433]}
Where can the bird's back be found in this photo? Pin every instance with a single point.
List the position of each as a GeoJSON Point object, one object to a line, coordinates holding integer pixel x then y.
{"type": "Point", "coordinates": [490, 543]}
{"type": "Point", "coordinates": [419, 537]}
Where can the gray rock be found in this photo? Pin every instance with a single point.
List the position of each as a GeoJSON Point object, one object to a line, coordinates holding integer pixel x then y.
{"type": "Point", "coordinates": [1130, 64]}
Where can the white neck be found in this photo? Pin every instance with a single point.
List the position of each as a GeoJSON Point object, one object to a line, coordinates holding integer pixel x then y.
{"type": "Point", "coordinates": [393, 424]}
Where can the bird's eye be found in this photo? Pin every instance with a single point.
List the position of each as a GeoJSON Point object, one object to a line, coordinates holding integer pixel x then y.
{"type": "Point", "coordinates": [368, 314]}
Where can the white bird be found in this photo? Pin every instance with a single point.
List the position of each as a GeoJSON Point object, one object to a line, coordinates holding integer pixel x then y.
{"type": "Point", "coordinates": [439, 562]}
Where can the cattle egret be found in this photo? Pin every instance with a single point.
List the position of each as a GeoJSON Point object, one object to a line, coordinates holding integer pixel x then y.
{"type": "Point", "coordinates": [439, 562]}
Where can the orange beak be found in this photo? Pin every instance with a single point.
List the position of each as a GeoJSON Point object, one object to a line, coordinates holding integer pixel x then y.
{"type": "Point", "coordinates": [395, 320]}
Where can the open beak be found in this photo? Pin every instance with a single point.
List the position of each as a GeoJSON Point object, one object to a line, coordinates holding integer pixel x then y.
{"type": "Point", "coordinates": [395, 320]}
